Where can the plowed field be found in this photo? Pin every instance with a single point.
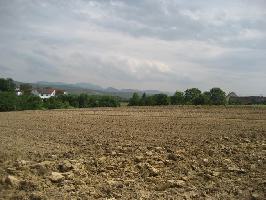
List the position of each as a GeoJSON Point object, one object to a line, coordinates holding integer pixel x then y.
{"type": "Point", "coordinates": [134, 153]}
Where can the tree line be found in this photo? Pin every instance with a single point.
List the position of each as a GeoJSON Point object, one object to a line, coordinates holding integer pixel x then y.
{"type": "Point", "coordinates": [9, 101]}
{"type": "Point", "coordinates": [193, 96]}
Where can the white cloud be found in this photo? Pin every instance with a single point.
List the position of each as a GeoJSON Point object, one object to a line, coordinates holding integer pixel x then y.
{"type": "Point", "coordinates": [156, 44]}
{"type": "Point", "coordinates": [250, 34]}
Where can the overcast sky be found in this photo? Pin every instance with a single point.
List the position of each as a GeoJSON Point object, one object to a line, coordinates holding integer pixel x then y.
{"type": "Point", "coordinates": [143, 44]}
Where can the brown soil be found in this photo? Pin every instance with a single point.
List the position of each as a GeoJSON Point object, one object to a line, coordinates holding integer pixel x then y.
{"type": "Point", "coordinates": [134, 153]}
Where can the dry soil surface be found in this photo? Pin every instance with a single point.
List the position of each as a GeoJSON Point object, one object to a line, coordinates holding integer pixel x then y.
{"type": "Point", "coordinates": [134, 153]}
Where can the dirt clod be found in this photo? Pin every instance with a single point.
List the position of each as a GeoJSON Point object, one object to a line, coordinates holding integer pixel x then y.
{"type": "Point", "coordinates": [65, 166]}
{"type": "Point", "coordinates": [11, 181]}
{"type": "Point", "coordinates": [140, 153]}
{"type": "Point", "coordinates": [56, 177]}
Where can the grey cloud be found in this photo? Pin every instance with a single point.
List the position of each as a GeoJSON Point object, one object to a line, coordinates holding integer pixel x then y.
{"type": "Point", "coordinates": [164, 44]}
{"type": "Point", "coordinates": [4, 69]}
{"type": "Point", "coordinates": [175, 20]}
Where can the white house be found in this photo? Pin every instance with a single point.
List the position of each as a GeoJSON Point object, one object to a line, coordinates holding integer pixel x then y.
{"type": "Point", "coordinates": [44, 93]}
{"type": "Point", "coordinates": [18, 92]}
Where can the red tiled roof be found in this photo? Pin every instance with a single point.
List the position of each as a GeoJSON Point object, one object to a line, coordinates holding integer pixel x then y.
{"type": "Point", "coordinates": [45, 90]}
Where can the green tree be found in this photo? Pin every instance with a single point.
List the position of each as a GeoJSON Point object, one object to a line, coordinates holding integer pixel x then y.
{"type": "Point", "coordinates": [29, 102]}
{"type": "Point", "coordinates": [143, 100]}
{"type": "Point", "coordinates": [8, 101]}
{"type": "Point", "coordinates": [88, 101]}
{"type": "Point", "coordinates": [26, 88]}
{"type": "Point", "coordinates": [177, 98]}
{"type": "Point", "coordinates": [72, 99]}
{"type": "Point", "coordinates": [55, 103]}
{"type": "Point", "coordinates": [34, 102]}
{"type": "Point", "coordinates": [7, 85]}
{"type": "Point", "coordinates": [83, 101]}
{"type": "Point", "coordinates": [150, 101]}
{"type": "Point", "coordinates": [108, 101]}
{"type": "Point", "coordinates": [161, 99]}
{"type": "Point", "coordinates": [191, 95]}
{"type": "Point", "coordinates": [135, 100]}
{"type": "Point", "coordinates": [202, 99]}
{"type": "Point", "coordinates": [217, 96]}
{"type": "Point", "coordinates": [93, 101]}
{"type": "Point", "coordinates": [207, 97]}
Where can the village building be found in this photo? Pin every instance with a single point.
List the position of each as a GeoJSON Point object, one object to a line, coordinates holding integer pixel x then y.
{"type": "Point", "coordinates": [44, 93]}
{"type": "Point", "coordinates": [18, 92]}
{"type": "Point", "coordinates": [232, 98]}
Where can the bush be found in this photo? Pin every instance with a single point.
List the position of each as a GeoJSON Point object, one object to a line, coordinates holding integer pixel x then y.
{"type": "Point", "coordinates": [177, 98]}
{"type": "Point", "coordinates": [8, 101]}
{"type": "Point", "coordinates": [107, 101]}
{"type": "Point", "coordinates": [161, 99]}
{"type": "Point", "coordinates": [200, 100]}
{"type": "Point", "coordinates": [55, 103]}
{"type": "Point", "coordinates": [150, 101]}
{"type": "Point", "coordinates": [143, 100]}
{"type": "Point", "coordinates": [30, 102]}
{"type": "Point", "coordinates": [135, 100]}
{"type": "Point", "coordinates": [157, 99]}
{"type": "Point", "coordinates": [73, 100]}
{"type": "Point", "coordinates": [83, 101]}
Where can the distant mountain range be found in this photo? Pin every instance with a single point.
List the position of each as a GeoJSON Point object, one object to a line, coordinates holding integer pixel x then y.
{"type": "Point", "coordinates": [89, 88]}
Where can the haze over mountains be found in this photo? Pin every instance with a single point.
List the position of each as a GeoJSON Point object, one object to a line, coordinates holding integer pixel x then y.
{"type": "Point", "coordinates": [77, 88]}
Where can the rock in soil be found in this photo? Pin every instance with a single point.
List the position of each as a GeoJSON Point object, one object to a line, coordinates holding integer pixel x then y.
{"type": "Point", "coordinates": [11, 181]}
{"type": "Point", "coordinates": [167, 152]}
{"type": "Point", "coordinates": [56, 177]}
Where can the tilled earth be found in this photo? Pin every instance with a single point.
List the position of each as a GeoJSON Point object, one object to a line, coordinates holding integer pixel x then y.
{"type": "Point", "coordinates": [134, 153]}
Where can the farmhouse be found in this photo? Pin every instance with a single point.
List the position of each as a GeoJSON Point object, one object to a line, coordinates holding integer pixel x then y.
{"type": "Point", "coordinates": [44, 93]}
{"type": "Point", "coordinates": [245, 100]}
